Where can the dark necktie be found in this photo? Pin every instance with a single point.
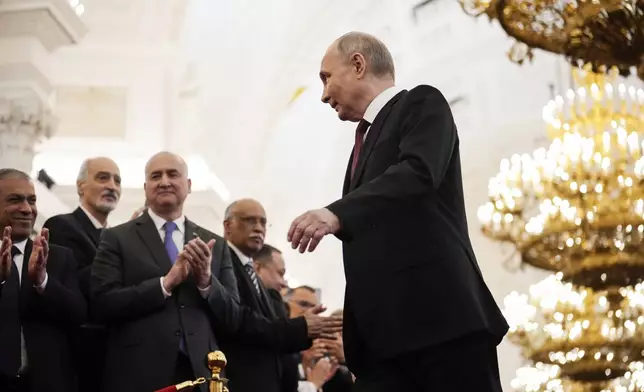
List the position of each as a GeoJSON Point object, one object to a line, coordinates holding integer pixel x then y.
{"type": "Point", "coordinates": [361, 130]}
{"type": "Point", "coordinates": [252, 274]}
{"type": "Point", "coordinates": [12, 342]}
{"type": "Point", "coordinates": [173, 252]}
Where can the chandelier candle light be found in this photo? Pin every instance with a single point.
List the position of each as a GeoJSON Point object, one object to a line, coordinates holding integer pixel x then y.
{"type": "Point", "coordinates": [577, 209]}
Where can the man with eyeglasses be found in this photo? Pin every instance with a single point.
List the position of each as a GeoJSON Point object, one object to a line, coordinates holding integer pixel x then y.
{"type": "Point", "coordinates": [250, 367]}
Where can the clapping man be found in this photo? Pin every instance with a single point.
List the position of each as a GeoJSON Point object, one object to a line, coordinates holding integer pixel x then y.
{"type": "Point", "coordinates": [40, 301]}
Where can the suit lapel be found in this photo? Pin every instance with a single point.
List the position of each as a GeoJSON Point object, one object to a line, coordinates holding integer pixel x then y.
{"type": "Point", "coordinates": [347, 176]}
{"type": "Point", "coordinates": [150, 235]}
{"type": "Point", "coordinates": [86, 226]}
{"type": "Point", "coordinates": [25, 283]}
{"type": "Point", "coordinates": [266, 300]}
{"type": "Point", "coordinates": [372, 137]}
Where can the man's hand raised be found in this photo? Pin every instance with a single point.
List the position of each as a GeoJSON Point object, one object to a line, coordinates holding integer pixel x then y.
{"type": "Point", "coordinates": [321, 326]}
{"type": "Point", "coordinates": [5, 254]}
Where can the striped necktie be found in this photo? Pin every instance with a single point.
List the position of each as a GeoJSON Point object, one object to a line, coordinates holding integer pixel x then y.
{"type": "Point", "coordinates": [252, 274]}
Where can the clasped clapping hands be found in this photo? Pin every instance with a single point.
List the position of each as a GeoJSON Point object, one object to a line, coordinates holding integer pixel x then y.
{"type": "Point", "coordinates": [195, 258]}
{"type": "Point", "coordinates": [37, 264]}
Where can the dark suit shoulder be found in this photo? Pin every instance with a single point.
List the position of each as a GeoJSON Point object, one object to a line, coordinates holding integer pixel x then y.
{"type": "Point", "coordinates": [60, 220]}
{"type": "Point", "coordinates": [423, 100]}
{"type": "Point", "coordinates": [124, 227]}
{"type": "Point", "coordinates": [422, 92]}
{"type": "Point", "coordinates": [203, 232]}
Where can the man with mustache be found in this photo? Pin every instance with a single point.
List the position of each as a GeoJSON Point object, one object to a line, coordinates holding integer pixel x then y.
{"type": "Point", "coordinates": [163, 285]}
{"type": "Point", "coordinates": [40, 301]}
{"type": "Point", "coordinates": [99, 189]}
{"type": "Point", "coordinates": [244, 230]}
{"type": "Point", "coordinates": [418, 315]}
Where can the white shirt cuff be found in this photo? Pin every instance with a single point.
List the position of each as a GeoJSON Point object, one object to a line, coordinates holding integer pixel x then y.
{"type": "Point", "coordinates": [165, 293]}
{"type": "Point", "coordinates": [204, 292]}
{"type": "Point", "coordinates": [306, 386]}
{"type": "Point", "coordinates": [43, 286]}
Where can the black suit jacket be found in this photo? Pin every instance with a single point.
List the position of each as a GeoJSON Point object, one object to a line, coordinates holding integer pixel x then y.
{"type": "Point", "coordinates": [46, 321]}
{"type": "Point", "coordinates": [263, 363]}
{"type": "Point", "coordinates": [145, 327]}
{"type": "Point", "coordinates": [290, 372]}
{"type": "Point", "coordinates": [403, 227]}
{"type": "Point", "coordinates": [76, 232]}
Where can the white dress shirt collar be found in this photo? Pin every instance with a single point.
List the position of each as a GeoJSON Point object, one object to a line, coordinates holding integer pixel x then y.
{"type": "Point", "coordinates": [242, 257]}
{"type": "Point", "coordinates": [379, 102]}
{"type": "Point", "coordinates": [94, 221]}
{"type": "Point", "coordinates": [159, 222]}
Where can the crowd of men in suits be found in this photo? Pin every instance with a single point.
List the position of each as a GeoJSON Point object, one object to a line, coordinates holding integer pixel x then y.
{"type": "Point", "coordinates": [137, 307]}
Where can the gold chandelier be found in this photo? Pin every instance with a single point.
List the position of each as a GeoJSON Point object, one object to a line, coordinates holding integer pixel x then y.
{"type": "Point", "coordinates": [608, 33]}
{"type": "Point", "coordinates": [577, 208]}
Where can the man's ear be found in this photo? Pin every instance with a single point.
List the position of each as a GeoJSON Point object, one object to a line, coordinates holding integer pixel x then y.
{"type": "Point", "coordinates": [79, 187]}
{"type": "Point", "coordinates": [189, 185]}
{"type": "Point", "coordinates": [359, 65]}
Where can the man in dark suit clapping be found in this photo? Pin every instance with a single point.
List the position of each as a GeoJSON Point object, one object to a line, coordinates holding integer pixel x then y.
{"type": "Point", "coordinates": [163, 285]}
{"type": "Point", "coordinates": [417, 310]}
{"type": "Point", "coordinates": [40, 302]}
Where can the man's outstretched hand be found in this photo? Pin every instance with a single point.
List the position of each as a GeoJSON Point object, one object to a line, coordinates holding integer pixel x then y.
{"type": "Point", "coordinates": [308, 229]}
{"type": "Point", "coordinates": [322, 326]}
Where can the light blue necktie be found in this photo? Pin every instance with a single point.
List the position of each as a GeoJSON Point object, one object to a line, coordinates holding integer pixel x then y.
{"type": "Point", "coordinates": [173, 252]}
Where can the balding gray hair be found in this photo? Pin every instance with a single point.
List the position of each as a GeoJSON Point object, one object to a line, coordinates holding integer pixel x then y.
{"type": "Point", "coordinates": [10, 173]}
{"type": "Point", "coordinates": [379, 60]}
{"type": "Point", "coordinates": [168, 153]}
{"type": "Point", "coordinates": [229, 209]}
{"type": "Point", "coordinates": [83, 172]}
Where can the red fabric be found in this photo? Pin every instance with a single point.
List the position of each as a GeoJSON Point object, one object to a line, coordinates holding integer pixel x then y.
{"type": "Point", "coordinates": [168, 389]}
{"type": "Point", "coordinates": [360, 132]}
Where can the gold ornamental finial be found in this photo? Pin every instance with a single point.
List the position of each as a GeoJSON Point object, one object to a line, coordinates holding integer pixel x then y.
{"type": "Point", "coordinates": [217, 364]}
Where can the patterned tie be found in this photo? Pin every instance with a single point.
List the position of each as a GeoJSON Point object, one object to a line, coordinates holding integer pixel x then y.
{"type": "Point", "coordinates": [173, 252]}
{"type": "Point", "coordinates": [361, 130]}
{"type": "Point", "coordinates": [252, 274]}
{"type": "Point", "coordinates": [170, 246]}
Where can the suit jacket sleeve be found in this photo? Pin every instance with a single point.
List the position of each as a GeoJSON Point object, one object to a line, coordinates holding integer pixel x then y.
{"type": "Point", "coordinates": [111, 299]}
{"type": "Point", "coordinates": [427, 139]}
{"type": "Point", "coordinates": [60, 233]}
{"type": "Point", "coordinates": [244, 323]}
{"type": "Point", "coordinates": [62, 299]}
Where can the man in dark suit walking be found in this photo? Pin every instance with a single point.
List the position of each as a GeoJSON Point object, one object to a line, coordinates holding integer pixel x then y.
{"type": "Point", "coordinates": [244, 230]}
{"type": "Point", "coordinates": [162, 284]}
{"type": "Point", "coordinates": [40, 302]}
{"type": "Point", "coordinates": [99, 189]}
{"type": "Point", "coordinates": [418, 314]}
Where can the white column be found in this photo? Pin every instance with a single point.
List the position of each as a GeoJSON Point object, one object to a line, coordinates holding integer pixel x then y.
{"type": "Point", "coordinates": [31, 30]}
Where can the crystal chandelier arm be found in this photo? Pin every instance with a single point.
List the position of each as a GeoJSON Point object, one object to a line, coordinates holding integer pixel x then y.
{"type": "Point", "coordinates": [427, 143]}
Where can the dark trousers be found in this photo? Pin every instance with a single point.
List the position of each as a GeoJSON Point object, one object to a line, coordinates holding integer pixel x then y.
{"type": "Point", "coordinates": [14, 384]}
{"type": "Point", "coordinates": [183, 369]}
{"type": "Point", "coordinates": [467, 364]}
{"type": "Point", "coordinates": [90, 348]}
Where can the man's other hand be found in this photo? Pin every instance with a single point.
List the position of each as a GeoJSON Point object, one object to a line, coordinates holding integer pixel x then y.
{"type": "Point", "coordinates": [321, 326]}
